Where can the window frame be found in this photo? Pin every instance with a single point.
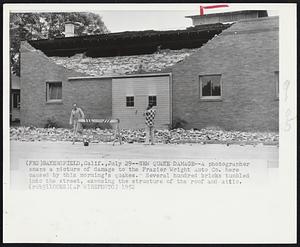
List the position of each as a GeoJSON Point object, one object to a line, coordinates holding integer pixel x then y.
{"type": "Point", "coordinates": [126, 102]}
{"type": "Point", "coordinates": [16, 98]}
{"type": "Point", "coordinates": [48, 100]}
{"type": "Point", "coordinates": [208, 98]}
{"type": "Point", "coordinates": [155, 99]}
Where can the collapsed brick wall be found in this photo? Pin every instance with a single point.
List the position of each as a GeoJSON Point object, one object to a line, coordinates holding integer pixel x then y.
{"type": "Point", "coordinates": [246, 55]}
{"type": "Point", "coordinates": [93, 95]}
{"type": "Point", "coordinates": [122, 65]}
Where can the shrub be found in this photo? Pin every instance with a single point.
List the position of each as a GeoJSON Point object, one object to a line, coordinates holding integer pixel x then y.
{"type": "Point", "coordinates": [51, 123]}
{"type": "Point", "coordinates": [178, 123]}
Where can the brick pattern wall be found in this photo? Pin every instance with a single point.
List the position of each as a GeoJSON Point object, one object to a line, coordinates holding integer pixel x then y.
{"type": "Point", "coordinates": [246, 54]}
{"type": "Point", "coordinates": [93, 96]}
{"type": "Point", "coordinates": [121, 65]}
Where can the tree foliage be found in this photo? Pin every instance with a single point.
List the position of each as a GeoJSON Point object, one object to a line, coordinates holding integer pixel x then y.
{"type": "Point", "coordinates": [31, 26]}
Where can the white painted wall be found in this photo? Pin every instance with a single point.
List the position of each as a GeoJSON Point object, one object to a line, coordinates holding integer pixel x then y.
{"type": "Point", "coordinates": [141, 88]}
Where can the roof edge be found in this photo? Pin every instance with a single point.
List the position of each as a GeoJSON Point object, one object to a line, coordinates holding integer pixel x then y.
{"type": "Point", "coordinates": [259, 19]}
{"type": "Point", "coordinates": [118, 76]}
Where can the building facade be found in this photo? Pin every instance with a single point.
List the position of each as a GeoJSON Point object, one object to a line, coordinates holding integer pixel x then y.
{"type": "Point", "coordinates": [14, 98]}
{"type": "Point", "coordinates": [230, 81]}
{"type": "Point", "coordinates": [243, 64]}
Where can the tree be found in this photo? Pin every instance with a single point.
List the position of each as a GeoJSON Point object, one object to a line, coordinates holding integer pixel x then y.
{"type": "Point", "coordinates": [31, 26]}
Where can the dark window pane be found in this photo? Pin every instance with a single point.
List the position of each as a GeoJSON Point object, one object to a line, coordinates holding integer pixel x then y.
{"type": "Point", "coordinates": [55, 90]}
{"type": "Point", "coordinates": [206, 88]}
{"type": "Point", "coordinates": [216, 90]}
{"type": "Point", "coordinates": [52, 92]}
{"type": "Point", "coordinates": [211, 85]}
{"type": "Point", "coordinates": [130, 101]}
{"type": "Point", "coordinates": [16, 100]}
{"type": "Point", "coordinates": [59, 93]}
{"type": "Point", "coordinates": [152, 100]}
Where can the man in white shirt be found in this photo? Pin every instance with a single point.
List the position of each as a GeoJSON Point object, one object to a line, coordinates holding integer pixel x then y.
{"type": "Point", "coordinates": [76, 114]}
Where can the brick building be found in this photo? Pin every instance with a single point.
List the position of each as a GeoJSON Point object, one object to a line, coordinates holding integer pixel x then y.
{"type": "Point", "coordinates": [14, 98]}
{"type": "Point", "coordinates": [223, 75]}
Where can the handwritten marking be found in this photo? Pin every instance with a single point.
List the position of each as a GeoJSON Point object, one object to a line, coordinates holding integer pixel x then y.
{"type": "Point", "coordinates": [211, 7]}
{"type": "Point", "coordinates": [288, 120]}
{"type": "Point", "coordinates": [286, 87]}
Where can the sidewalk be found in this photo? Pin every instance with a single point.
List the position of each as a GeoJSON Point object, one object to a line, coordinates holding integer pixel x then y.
{"type": "Point", "coordinates": [65, 150]}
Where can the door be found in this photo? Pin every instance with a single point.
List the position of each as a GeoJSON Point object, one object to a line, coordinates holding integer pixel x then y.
{"type": "Point", "coordinates": [130, 98]}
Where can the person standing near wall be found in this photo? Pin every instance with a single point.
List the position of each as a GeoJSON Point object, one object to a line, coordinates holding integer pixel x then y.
{"type": "Point", "coordinates": [150, 115]}
{"type": "Point", "coordinates": [76, 114]}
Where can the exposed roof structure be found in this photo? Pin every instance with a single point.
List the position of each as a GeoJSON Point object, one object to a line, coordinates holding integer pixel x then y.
{"type": "Point", "coordinates": [146, 62]}
{"type": "Point", "coordinates": [127, 52]}
{"type": "Point", "coordinates": [129, 43]}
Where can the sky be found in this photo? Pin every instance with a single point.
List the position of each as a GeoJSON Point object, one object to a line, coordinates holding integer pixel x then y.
{"type": "Point", "coordinates": [164, 17]}
{"type": "Point", "coordinates": [136, 17]}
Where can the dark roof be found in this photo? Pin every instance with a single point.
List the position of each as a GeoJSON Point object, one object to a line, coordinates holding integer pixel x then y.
{"type": "Point", "coordinates": [129, 43]}
{"type": "Point", "coordinates": [261, 13]}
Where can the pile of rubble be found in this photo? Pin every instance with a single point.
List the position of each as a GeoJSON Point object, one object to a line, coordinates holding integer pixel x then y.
{"type": "Point", "coordinates": [120, 65]}
{"type": "Point", "coordinates": [174, 136]}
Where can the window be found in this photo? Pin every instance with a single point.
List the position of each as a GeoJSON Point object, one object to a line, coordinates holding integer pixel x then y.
{"type": "Point", "coordinates": [210, 87]}
{"type": "Point", "coordinates": [129, 101]}
{"type": "Point", "coordinates": [277, 84]}
{"type": "Point", "coordinates": [16, 100]}
{"type": "Point", "coordinates": [54, 91]}
{"type": "Point", "coordinates": [152, 100]}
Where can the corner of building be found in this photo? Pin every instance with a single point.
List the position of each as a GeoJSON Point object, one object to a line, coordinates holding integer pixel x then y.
{"type": "Point", "coordinates": [246, 57]}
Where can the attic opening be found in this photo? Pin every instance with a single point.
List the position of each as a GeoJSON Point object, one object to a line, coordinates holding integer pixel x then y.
{"type": "Point", "coordinates": [130, 43]}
